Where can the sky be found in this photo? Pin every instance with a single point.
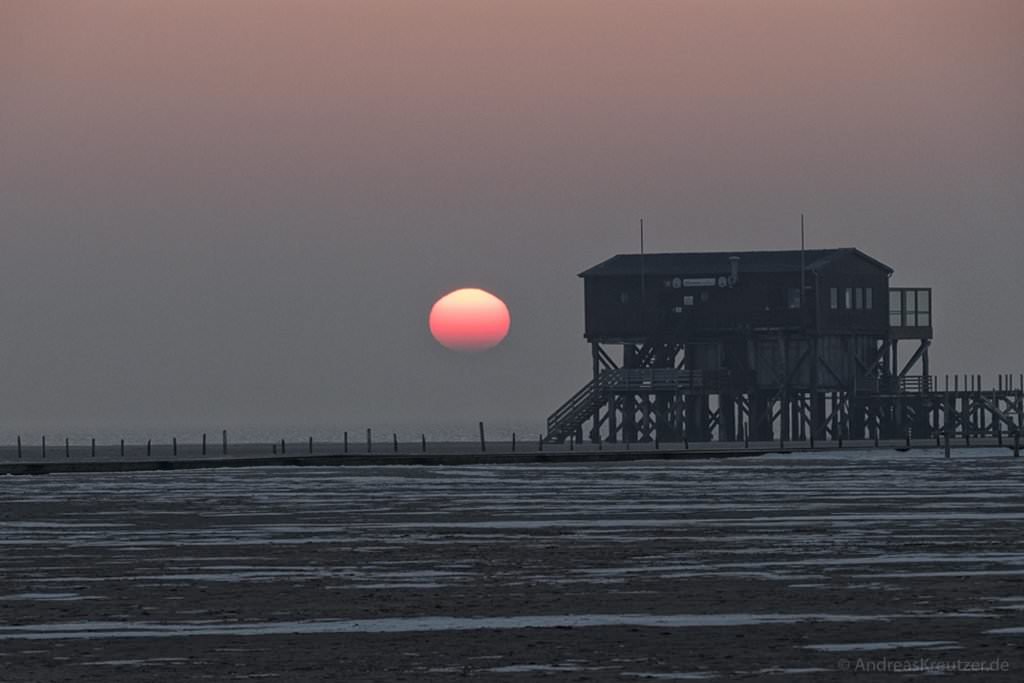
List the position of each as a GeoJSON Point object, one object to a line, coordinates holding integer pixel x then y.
{"type": "Point", "coordinates": [239, 212]}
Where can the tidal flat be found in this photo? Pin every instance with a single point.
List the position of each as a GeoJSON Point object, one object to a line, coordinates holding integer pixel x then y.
{"type": "Point", "coordinates": [784, 567]}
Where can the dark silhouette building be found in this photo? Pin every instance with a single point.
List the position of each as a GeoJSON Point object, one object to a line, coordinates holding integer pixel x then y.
{"type": "Point", "coordinates": [766, 344]}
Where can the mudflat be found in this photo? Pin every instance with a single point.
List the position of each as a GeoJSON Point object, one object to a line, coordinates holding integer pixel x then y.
{"type": "Point", "coordinates": [852, 566]}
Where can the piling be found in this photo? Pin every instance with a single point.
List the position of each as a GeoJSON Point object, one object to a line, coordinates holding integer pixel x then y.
{"type": "Point", "coordinates": [540, 442]}
{"type": "Point", "coordinates": [122, 448]}
{"type": "Point", "coordinates": [174, 446]}
{"type": "Point", "coordinates": [746, 437]}
{"type": "Point", "coordinates": [19, 446]}
{"type": "Point", "coordinates": [283, 448]}
{"type": "Point", "coordinates": [311, 445]}
{"type": "Point", "coordinates": [1016, 444]}
{"type": "Point", "coordinates": [394, 441]}
{"type": "Point", "coordinates": [204, 444]}
{"type": "Point", "coordinates": [908, 438]}
{"type": "Point", "coordinates": [514, 442]}
{"type": "Point", "coordinates": [224, 442]}
{"type": "Point", "coordinates": [44, 446]}
{"type": "Point", "coordinates": [572, 442]}
{"type": "Point", "coordinates": [345, 444]}
{"type": "Point", "coordinates": [92, 447]}
{"type": "Point", "coordinates": [945, 434]}
{"type": "Point", "coordinates": [149, 448]}
{"type": "Point", "coordinates": [67, 448]}
{"type": "Point", "coordinates": [423, 442]}
{"type": "Point", "coordinates": [369, 440]}
{"type": "Point", "coordinates": [483, 440]}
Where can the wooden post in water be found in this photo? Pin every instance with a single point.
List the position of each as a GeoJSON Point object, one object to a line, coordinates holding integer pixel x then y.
{"type": "Point", "coordinates": [149, 447]}
{"type": "Point", "coordinates": [122, 448]}
{"type": "Point", "coordinates": [369, 440]}
{"type": "Point", "coordinates": [284, 449]}
{"type": "Point", "coordinates": [345, 443]}
{"type": "Point", "coordinates": [908, 438]}
{"type": "Point", "coordinates": [514, 442]}
{"type": "Point", "coordinates": [572, 442]}
{"type": "Point", "coordinates": [746, 436]}
{"type": "Point", "coordinates": [92, 447]}
{"type": "Point", "coordinates": [483, 440]}
{"type": "Point", "coordinates": [394, 440]}
{"type": "Point", "coordinates": [423, 442]}
{"type": "Point", "coordinates": [224, 441]}
{"type": "Point", "coordinates": [67, 447]}
{"type": "Point", "coordinates": [44, 446]}
{"type": "Point", "coordinates": [1016, 443]}
{"type": "Point", "coordinates": [311, 445]}
{"type": "Point", "coordinates": [19, 446]}
{"type": "Point", "coordinates": [204, 444]}
{"type": "Point", "coordinates": [540, 442]}
{"type": "Point", "coordinates": [945, 422]}
{"type": "Point", "coordinates": [174, 446]}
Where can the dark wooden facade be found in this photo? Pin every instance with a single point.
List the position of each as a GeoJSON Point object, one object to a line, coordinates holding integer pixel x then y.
{"type": "Point", "coordinates": [791, 344]}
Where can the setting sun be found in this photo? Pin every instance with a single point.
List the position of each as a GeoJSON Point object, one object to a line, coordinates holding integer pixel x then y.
{"type": "Point", "coordinates": [469, 320]}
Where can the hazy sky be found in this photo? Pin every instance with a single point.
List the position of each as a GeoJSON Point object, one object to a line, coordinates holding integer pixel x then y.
{"type": "Point", "coordinates": [236, 212]}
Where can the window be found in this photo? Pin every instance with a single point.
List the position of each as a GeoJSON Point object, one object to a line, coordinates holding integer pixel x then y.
{"type": "Point", "coordinates": [849, 298]}
{"type": "Point", "coordinates": [869, 298]}
{"type": "Point", "coordinates": [793, 297]}
{"type": "Point", "coordinates": [859, 298]}
{"type": "Point", "coordinates": [834, 298]}
{"type": "Point", "coordinates": [924, 308]}
{"type": "Point", "coordinates": [895, 308]}
{"type": "Point", "coordinates": [910, 308]}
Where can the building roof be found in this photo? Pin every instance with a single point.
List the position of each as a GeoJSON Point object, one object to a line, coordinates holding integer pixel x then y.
{"type": "Point", "coordinates": [717, 262]}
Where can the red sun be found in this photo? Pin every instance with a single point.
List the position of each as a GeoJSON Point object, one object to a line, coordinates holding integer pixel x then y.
{"type": "Point", "coordinates": [469, 320]}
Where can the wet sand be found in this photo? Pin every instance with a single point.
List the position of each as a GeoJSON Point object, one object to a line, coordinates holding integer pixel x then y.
{"type": "Point", "coordinates": [810, 567]}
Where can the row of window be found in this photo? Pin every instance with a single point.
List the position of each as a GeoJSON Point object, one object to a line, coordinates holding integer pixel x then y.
{"type": "Point", "coordinates": [910, 307]}
{"type": "Point", "coordinates": [852, 298]}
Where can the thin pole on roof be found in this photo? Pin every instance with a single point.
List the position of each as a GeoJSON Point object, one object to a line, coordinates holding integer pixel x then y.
{"type": "Point", "coordinates": [643, 284]}
{"type": "Point", "coordinates": [803, 268]}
